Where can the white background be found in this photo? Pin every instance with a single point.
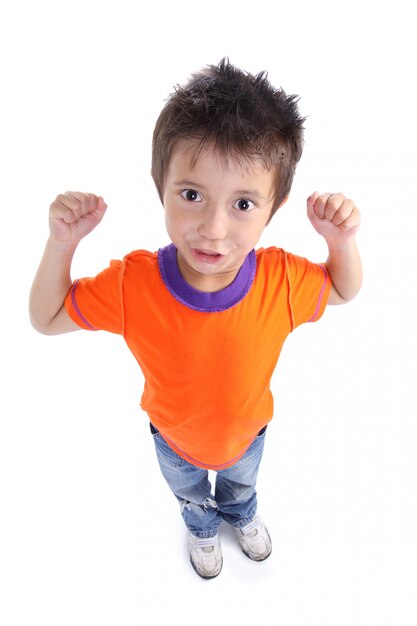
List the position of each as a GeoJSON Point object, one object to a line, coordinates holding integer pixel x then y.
{"type": "Point", "coordinates": [90, 534]}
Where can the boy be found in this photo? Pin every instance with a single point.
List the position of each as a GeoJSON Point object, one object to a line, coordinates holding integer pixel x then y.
{"type": "Point", "coordinates": [206, 317]}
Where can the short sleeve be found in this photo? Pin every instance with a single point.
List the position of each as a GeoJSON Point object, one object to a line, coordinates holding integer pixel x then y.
{"type": "Point", "coordinates": [96, 303]}
{"type": "Point", "coordinates": [309, 289]}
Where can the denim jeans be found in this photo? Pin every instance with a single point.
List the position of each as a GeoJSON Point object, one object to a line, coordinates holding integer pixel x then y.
{"type": "Point", "coordinates": [234, 499]}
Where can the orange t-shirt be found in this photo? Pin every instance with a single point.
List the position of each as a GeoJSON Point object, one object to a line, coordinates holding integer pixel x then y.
{"type": "Point", "coordinates": [207, 359]}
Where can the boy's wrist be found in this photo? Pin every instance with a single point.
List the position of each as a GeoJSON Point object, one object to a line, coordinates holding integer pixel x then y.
{"type": "Point", "coordinates": [340, 246]}
{"type": "Point", "coordinates": [61, 246]}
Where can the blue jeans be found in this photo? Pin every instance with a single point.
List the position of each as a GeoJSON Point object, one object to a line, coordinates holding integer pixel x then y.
{"type": "Point", "coordinates": [234, 500]}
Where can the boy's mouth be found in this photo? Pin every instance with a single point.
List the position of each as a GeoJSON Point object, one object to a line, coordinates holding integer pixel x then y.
{"type": "Point", "coordinates": [207, 256]}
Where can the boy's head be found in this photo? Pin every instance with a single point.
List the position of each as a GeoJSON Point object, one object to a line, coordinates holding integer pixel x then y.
{"type": "Point", "coordinates": [242, 116]}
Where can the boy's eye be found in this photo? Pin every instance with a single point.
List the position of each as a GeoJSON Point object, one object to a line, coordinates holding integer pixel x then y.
{"type": "Point", "coordinates": [244, 205]}
{"type": "Point", "coordinates": [191, 195]}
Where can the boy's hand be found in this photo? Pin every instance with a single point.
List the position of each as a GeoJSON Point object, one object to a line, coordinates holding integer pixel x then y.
{"type": "Point", "coordinates": [335, 217]}
{"type": "Point", "coordinates": [74, 214]}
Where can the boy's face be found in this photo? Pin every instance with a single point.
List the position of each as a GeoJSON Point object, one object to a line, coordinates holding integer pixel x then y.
{"type": "Point", "coordinates": [215, 213]}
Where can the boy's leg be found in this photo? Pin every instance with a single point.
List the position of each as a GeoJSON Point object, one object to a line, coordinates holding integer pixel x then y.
{"type": "Point", "coordinates": [236, 498]}
{"type": "Point", "coordinates": [235, 486]}
{"type": "Point", "coordinates": [191, 487]}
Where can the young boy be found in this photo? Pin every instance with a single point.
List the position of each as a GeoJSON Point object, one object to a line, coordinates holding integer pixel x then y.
{"type": "Point", "coordinates": [206, 316]}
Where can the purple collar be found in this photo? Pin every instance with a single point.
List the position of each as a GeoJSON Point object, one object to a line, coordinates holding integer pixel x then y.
{"type": "Point", "coordinates": [200, 300]}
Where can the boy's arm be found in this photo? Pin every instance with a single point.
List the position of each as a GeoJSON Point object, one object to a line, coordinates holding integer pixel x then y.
{"type": "Point", "coordinates": [337, 219]}
{"type": "Point", "coordinates": [72, 216]}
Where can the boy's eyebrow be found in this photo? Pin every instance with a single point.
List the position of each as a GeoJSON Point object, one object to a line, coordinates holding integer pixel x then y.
{"type": "Point", "coordinates": [190, 183]}
{"type": "Point", "coordinates": [250, 192]}
{"type": "Point", "coordinates": [238, 192]}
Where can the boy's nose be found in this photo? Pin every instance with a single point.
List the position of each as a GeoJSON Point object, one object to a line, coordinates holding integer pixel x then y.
{"type": "Point", "coordinates": [213, 225]}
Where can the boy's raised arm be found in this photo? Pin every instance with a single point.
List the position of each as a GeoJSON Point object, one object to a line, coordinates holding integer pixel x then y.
{"type": "Point", "coordinates": [337, 219]}
{"type": "Point", "coordinates": [72, 216]}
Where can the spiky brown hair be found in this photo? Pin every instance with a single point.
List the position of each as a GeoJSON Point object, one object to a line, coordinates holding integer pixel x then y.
{"type": "Point", "coordinates": [239, 114]}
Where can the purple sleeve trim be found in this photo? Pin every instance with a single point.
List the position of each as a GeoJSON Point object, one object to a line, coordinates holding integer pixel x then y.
{"type": "Point", "coordinates": [316, 312]}
{"type": "Point", "coordinates": [76, 308]}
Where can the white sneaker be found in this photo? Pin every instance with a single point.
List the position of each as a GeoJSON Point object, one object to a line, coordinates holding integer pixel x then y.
{"type": "Point", "coordinates": [254, 539]}
{"type": "Point", "coordinates": [205, 555]}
